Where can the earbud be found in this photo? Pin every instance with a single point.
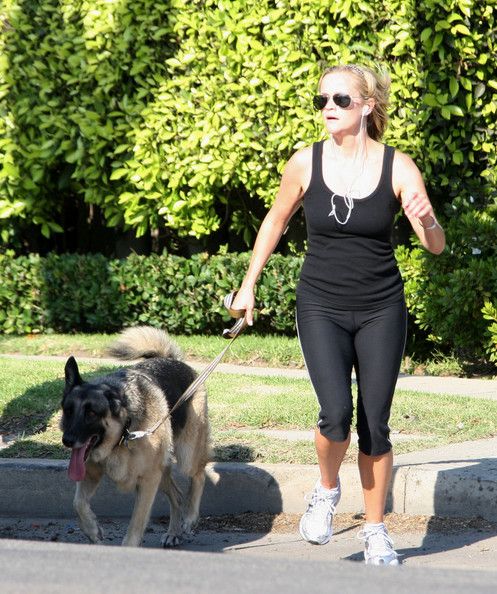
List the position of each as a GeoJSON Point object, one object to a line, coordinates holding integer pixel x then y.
{"type": "Point", "coordinates": [366, 111]}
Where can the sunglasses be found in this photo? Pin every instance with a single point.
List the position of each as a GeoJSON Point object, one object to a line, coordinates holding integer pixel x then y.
{"type": "Point", "coordinates": [321, 101]}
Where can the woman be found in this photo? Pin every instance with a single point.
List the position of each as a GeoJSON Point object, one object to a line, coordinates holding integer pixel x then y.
{"type": "Point", "coordinates": [350, 301]}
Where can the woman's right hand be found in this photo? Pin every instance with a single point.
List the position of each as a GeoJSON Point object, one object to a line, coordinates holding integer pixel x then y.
{"type": "Point", "coordinates": [245, 299]}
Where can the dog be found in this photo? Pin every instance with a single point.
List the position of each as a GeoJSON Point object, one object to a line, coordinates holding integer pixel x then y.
{"type": "Point", "coordinates": [98, 414]}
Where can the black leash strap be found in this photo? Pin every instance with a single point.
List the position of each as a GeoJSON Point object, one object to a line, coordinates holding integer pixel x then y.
{"type": "Point", "coordinates": [231, 334]}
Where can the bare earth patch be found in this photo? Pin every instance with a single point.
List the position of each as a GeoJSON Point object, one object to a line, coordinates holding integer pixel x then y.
{"type": "Point", "coordinates": [67, 530]}
{"type": "Point", "coordinates": [288, 523]}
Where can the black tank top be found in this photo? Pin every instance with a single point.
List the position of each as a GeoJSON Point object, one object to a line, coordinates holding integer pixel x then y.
{"type": "Point", "coordinates": [350, 266]}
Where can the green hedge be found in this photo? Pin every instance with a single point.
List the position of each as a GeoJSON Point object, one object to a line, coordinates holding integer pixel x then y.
{"type": "Point", "coordinates": [157, 111]}
{"type": "Point", "coordinates": [452, 298]}
{"type": "Point", "coordinates": [89, 293]}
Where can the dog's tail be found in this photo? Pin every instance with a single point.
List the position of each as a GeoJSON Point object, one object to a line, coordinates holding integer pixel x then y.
{"type": "Point", "coordinates": [144, 342]}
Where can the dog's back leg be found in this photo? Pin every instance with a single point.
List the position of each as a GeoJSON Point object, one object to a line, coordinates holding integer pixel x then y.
{"type": "Point", "coordinates": [172, 538]}
{"type": "Point", "coordinates": [192, 448]}
{"type": "Point", "coordinates": [85, 490]}
{"type": "Point", "coordinates": [191, 512]}
{"type": "Point", "coordinates": [146, 491]}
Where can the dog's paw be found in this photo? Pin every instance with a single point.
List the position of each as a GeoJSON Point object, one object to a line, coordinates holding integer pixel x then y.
{"type": "Point", "coordinates": [170, 540]}
{"type": "Point", "coordinates": [97, 539]}
{"type": "Point", "coordinates": [187, 537]}
{"type": "Point", "coordinates": [189, 525]}
{"type": "Point", "coordinates": [96, 536]}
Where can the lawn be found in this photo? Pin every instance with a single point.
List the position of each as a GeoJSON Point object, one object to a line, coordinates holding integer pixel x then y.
{"type": "Point", "coordinates": [241, 408]}
{"type": "Point", "coordinates": [249, 349]}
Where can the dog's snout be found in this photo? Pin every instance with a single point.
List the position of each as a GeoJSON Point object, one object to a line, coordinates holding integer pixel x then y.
{"type": "Point", "coordinates": [68, 441]}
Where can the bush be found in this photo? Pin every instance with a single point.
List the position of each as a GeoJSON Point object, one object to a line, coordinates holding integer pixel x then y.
{"type": "Point", "coordinates": [80, 292]}
{"type": "Point", "coordinates": [157, 111]}
{"type": "Point", "coordinates": [184, 295]}
{"type": "Point", "coordinates": [490, 313]}
{"type": "Point", "coordinates": [71, 293]}
{"type": "Point", "coordinates": [20, 294]}
{"type": "Point", "coordinates": [452, 296]}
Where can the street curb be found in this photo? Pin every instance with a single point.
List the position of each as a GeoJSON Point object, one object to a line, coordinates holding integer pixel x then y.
{"type": "Point", "coordinates": [41, 488]}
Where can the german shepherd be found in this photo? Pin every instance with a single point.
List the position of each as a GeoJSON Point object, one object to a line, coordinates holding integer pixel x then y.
{"type": "Point", "coordinates": [96, 415]}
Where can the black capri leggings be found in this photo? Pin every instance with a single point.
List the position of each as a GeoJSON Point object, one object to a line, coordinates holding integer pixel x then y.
{"type": "Point", "coordinates": [332, 342]}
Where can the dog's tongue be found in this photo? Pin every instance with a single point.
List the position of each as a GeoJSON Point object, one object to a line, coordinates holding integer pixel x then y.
{"type": "Point", "coordinates": [77, 467]}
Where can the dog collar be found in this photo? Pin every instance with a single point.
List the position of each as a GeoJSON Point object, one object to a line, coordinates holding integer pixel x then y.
{"type": "Point", "coordinates": [125, 434]}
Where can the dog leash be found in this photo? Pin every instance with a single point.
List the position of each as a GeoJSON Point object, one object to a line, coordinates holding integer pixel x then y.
{"type": "Point", "coordinates": [229, 333]}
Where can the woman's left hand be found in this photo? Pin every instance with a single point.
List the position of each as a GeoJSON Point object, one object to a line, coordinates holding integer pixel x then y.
{"type": "Point", "coordinates": [417, 205]}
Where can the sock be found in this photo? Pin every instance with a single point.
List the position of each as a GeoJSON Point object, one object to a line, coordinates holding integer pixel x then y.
{"type": "Point", "coordinates": [368, 526]}
{"type": "Point", "coordinates": [324, 489]}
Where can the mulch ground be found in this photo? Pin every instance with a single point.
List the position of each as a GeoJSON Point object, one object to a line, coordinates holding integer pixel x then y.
{"type": "Point", "coordinates": [287, 523]}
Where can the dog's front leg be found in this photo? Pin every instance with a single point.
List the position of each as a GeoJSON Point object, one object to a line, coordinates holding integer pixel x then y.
{"type": "Point", "coordinates": [145, 495]}
{"type": "Point", "coordinates": [87, 519]}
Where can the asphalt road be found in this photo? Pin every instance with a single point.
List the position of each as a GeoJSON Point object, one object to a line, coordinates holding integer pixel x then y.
{"type": "Point", "coordinates": [48, 555]}
{"type": "Point", "coordinates": [53, 568]}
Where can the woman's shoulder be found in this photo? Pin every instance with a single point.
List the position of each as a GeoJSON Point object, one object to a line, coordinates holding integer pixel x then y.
{"type": "Point", "coordinates": [402, 159]}
{"type": "Point", "coordinates": [299, 167]}
{"type": "Point", "coordinates": [403, 163]}
{"type": "Point", "coordinates": [405, 171]}
{"type": "Point", "coordinates": [302, 158]}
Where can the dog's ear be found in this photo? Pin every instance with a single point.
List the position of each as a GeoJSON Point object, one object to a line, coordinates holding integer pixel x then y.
{"type": "Point", "coordinates": [115, 406]}
{"type": "Point", "coordinates": [72, 374]}
{"type": "Point", "coordinates": [114, 400]}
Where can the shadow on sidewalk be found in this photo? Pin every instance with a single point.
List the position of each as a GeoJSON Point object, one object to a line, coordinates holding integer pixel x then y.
{"type": "Point", "coordinates": [250, 499]}
{"type": "Point", "coordinates": [464, 504]}
{"type": "Point", "coordinates": [36, 504]}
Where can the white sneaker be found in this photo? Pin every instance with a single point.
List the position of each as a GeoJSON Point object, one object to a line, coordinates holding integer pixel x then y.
{"type": "Point", "coordinates": [378, 546]}
{"type": "Point", "coordinates": [315, 525]}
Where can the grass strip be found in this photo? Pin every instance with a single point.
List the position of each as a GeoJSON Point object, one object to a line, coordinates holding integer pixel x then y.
{"type": "Point", "coordinates": [240, 407]}
{"type": "Point", "coordinates": [249, 349]}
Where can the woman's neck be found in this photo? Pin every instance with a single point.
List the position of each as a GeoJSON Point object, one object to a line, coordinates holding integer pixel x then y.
{"type": "Point", "coordinates": [347, 146]}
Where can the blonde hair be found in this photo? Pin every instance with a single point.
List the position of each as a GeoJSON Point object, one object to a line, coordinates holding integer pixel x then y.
{"type": "Point", "coordinates": [372, 85]}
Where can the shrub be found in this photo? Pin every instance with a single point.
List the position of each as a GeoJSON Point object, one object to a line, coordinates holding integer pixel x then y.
{"type": "Point", "coordinates": [20, 294]}
{"type": "Point", "coordinates": [88, 293]}
{"type": "Point", "coordinates": [490, 313]}
{"type": "Point", "coordinates": [450, 296]}
{"type": "Point", "coordinates": [157, 110]}
{"type": "Point", "coordinates": [80, 293]}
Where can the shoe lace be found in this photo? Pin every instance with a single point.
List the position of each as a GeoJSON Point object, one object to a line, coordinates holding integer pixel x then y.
{"type": "Point", "coordinates": [320, 501]}
{"type": "Point", "coordinates": [378, 542]}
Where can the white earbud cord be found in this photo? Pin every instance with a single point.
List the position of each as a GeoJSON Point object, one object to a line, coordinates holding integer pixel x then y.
{"type": "Point", "coordinates": [347, 197]}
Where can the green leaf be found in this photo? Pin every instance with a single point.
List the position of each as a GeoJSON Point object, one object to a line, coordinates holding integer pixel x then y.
{"type": "Point", "coordinates": [118, 173]}
{"type": "Point", "coordinates": [426, 34]}
{"type": "Point", "coordinates": [430, 100]}
{"type": "Point", "coordinates": [453, 86]}
{"type": "Point", "coordinates": [455, 110]}
{"type": "Point", "coordinates": [460, 28]}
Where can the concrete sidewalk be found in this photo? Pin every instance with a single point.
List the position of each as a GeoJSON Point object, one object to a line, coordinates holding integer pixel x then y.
{"type": "Point", "coordinates": [460, 386]}
{"type": "Point", "coordinates": [459, 480]}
